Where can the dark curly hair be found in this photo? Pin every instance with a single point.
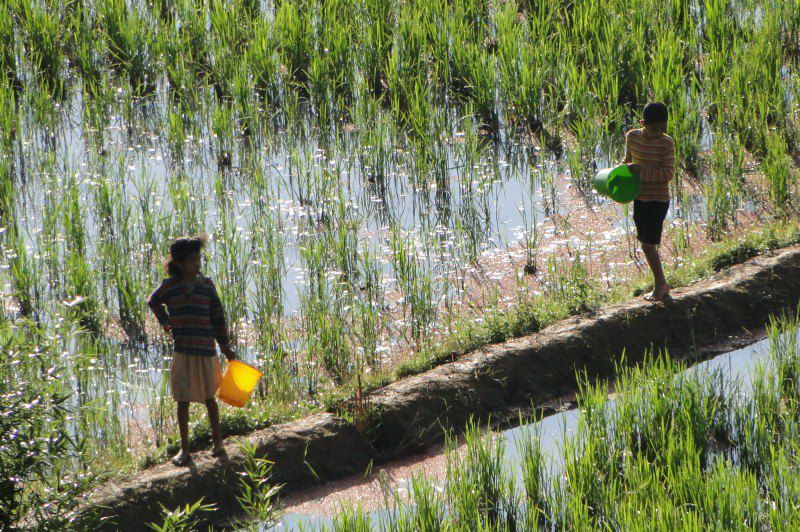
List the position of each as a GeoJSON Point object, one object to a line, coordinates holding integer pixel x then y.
{"type": "Point", "coordinates": [181, 248]}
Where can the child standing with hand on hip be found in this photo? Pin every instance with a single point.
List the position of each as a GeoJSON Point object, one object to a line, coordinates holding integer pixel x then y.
{"type": "Point", "coordinates": [650, 153]}
{"type": "Point", "coordinates": [187, 306]}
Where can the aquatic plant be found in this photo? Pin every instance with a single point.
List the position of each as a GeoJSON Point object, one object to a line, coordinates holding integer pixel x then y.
{"type": "Point", "coordinates": [129, 43]}
{"type": "Point", "coordinates": [725, 189]}
{"type": "Point", "coordinates": [780, 174]}
{"type": "Point", "coordinates": [43, 39]}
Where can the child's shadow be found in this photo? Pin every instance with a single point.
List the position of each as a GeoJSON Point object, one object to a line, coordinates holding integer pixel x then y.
{"type": "Point", "coordinates": [205, 462]}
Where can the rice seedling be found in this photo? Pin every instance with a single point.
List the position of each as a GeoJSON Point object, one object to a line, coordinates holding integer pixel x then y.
{"type": "Point", "coordinates": [370, 323]}
{"type": "Point", "coordinates": [409, 92]}
{"type": "Point", "coordinates": [478, 490]}
{"type": "Point", "coordinates": [84, 55]}
{"type": "Point", "coordinates": [293, 32]}
{"type": "Point", "coordinates": [232, 261]}
{"type": "Point", "coordinates": [779, 172]}
{"type": "Point", "coordinates": [669, 81]}
{"type": "Point", "coordinates": [533, 463]}
{"type": "Point", "coordinates": [264, 65]}
{"type": "Point", "coordinates": [23, 272]}
{"type": "Point", "coordinates": [725, 190]}
{"type": "Point", "coordinates": [8, 119]}
{"type": "Point", "coordinates": [320, 92]}
{"type": "Point", "coordinates": [418, 304]}
{"type": "Point", "coordinates": [222, 128]}
{"type": "Point", "coordinates": [43, 42]}
{"type": "Point", "coordinates": [228, 37]}
{"type": "Point", "coordinates": [129, 43]}
{"type": "Point", "coordinates": [336, 44]}
{"type": "Point", "coordinates": [180, 74]}
{"type": "Point", "coordinates": [191, 39]}
{"type": "Point", "coordinates": [400, 98]}
{"type": "Point", "coordinates": [8, 57]}
{"type": "Point", "coordinates": [379, 24]}
{"type": "Point", "coordinates": [584, 124]}
{"type": "Point", "coordinates": [269, 255]}
{"type": "Point", "coordinates": [353, 518]}
{"type": "Point", "coordinates": [323, 312]}
{"type": "Point", "coordinates": [186, 206]}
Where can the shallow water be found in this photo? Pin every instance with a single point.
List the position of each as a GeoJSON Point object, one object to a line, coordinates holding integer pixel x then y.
{"type": "Point", "coordinates": [736, 366]}
{"type": "Point", "coordinates": [479, 198]}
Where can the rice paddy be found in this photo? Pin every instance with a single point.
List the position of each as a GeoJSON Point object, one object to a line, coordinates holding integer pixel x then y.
{"type": "Point", "coordinates": [662, 447]}
{"type": "Point", "coordinates": [375, 176]}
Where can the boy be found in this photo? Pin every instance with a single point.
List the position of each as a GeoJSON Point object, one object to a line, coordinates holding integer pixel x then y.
{"type": "Point", "coordinates": [651, 154]}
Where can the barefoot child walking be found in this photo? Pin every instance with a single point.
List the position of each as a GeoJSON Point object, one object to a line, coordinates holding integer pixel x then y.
{"type": "Point", "coordinates": [188, 307]}
{"type": "Point", "coordinates": [650, 153]}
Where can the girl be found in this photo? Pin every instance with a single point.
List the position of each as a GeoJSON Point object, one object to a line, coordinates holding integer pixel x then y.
{"type": "Point", "coordinates": [195, 319]}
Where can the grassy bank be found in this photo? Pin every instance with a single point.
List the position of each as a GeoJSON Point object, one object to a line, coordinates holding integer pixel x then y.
{"type": "Point", "coordinates": [573, 292]}
{"type": "Point", "coordinates": [674, 451]}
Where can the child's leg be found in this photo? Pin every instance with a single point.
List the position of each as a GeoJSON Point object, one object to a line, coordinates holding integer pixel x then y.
{"type": "Point", "coordinates": [648, 216]}
{"type": "Point", "coordinates": [213, 419]}
{"type": "Point", "coordinates": [661, 287]}
{"type": "Point", "coordinates": [183, 427]}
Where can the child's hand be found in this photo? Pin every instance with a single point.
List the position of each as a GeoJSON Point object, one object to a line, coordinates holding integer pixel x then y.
{"type": "Point", "coordinates": [634, 168]}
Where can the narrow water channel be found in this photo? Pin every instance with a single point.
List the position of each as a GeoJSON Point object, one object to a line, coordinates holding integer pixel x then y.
{"type": "Point", "coordinates": [313, 509]}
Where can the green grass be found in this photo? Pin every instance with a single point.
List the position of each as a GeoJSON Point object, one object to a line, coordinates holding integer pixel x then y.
{"type": "Point", "coordinates": [680, 449]}
{"type": "Point", "coordinates": [346, 156]}
{"type": "Point", "coordinates": [575, 293]}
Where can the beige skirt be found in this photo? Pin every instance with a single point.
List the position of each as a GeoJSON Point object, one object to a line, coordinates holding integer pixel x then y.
{"type": "Point", "coordinates": [194, 378]}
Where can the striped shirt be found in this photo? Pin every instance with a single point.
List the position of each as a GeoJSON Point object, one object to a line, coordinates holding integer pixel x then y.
{"type": "Point", "coordinates": [193, 315]}
{"type": "Point", "coordinates": [656, 157]}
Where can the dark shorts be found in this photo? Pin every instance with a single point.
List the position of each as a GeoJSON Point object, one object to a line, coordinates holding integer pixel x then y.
{"type": "Point", "coordinates": [648, 216]}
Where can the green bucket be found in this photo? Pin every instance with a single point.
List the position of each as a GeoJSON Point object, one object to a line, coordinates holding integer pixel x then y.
{"type": "Point", "coordinates": [618, 183]}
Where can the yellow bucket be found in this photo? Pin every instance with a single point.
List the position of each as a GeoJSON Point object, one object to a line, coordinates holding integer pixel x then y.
{"type": "Point", "coordinates": [238, 383]}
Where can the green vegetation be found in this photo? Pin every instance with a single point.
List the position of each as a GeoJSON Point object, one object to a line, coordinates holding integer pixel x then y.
{"type": "Point", "coordinates": [257, 500]}
{"type": "Point", "coordinates": [354, 161]}
{"type": "Point", "coordinates": [673, 451]}
{"type": "Point", "coordinates": [573, 293]}
{"type": "Point", "coordinates": [187, 518]}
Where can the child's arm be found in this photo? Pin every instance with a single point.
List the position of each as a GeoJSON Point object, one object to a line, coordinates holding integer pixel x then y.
{"type": "Point", "coordinates": [628, 156]}
{"type": "Point", "coordinates": [218, 323]}
{"type": "Point", "coordinates": [634, 168]}
{"type": "Point", "coordinates": [156, 304]}
{"type": "Point", "coordinates": [663, 173]}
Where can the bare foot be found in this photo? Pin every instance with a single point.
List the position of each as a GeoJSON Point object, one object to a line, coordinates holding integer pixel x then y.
{"type": "Point", "coordinates": [182, 458]}
{"type": "Point", "coordinates": [218, 450]}
{"type": "Point", "coordinates": [659, 293]}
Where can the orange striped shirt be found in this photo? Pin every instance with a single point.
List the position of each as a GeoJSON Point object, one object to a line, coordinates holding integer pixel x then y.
{"type": "Point", "coordinates": [656, 157]}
